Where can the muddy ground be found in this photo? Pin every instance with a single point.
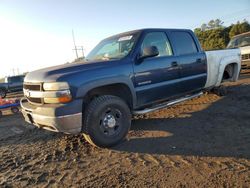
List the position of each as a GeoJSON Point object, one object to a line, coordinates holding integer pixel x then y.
{"type": "Point", "coordinates": [204, 142]}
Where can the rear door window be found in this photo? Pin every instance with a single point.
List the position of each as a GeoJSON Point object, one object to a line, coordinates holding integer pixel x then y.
{"type": "Point", "coordinates": [183, 42]}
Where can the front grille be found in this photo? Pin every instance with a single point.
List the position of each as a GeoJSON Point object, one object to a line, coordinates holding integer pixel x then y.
{"type": "Point", "coordinates": [245, 56]}
{"type": "Point", "coordinates": [33, 87]}
{"type": "Point", "coordinates": [35, 100]}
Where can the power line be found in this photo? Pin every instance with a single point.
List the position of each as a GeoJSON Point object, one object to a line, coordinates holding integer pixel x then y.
{"type": "Point", "coordinates": [80, 48]}
{"type": "Point", "coordinates": [237, 12]}
{"type": "Point", "coordinates": [228, 17]}
{"type": "Point", "coordinates": [237, 17]}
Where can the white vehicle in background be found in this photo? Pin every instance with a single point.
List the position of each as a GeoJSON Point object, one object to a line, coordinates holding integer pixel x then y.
{"type": "Point", "coordinates": [242, 42]}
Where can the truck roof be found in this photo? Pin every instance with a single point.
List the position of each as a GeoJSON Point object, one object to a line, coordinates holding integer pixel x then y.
{"type": "Point", "coordinates": [146, 30]}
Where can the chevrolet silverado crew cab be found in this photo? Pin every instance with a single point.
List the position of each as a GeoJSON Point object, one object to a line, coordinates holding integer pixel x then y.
{"type": "Point", "coordinates": [242, 42]}
{"type": "Point", "coordinates": [130, 73]}
{"type": "Point", "coordinates": [11, 84]}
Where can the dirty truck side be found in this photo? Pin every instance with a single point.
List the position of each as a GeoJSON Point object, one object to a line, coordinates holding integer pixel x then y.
{"type": "Point", "coordinates": [131, 73]}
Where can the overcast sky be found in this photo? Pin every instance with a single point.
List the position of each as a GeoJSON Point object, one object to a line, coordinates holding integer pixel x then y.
{"type": "Point", "coordinates": [38, 33]}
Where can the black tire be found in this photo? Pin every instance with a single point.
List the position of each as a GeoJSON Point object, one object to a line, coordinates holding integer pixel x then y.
{"type": "Point", "coordinates": [3, 93]}
{"type": "Point", "coordinates": [107, 120]}
{"type": "Point", "coordinates": [15, 110]}
{"type": "Point", "coordinates": [230, 70]}
{"type": "Point", "coordinates": [223, 91]}
{"type": "Point", "coordinates": [220, 91]}
{"type": "Point", "coordinates": [1, 113]}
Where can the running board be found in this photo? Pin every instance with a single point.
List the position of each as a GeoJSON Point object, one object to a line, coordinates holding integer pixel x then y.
{"type": "Point", "coordinates": [166, 104]}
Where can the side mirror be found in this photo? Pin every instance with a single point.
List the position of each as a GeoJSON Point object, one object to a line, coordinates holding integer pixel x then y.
{"type": "Point", "coordinates": [150, 51]}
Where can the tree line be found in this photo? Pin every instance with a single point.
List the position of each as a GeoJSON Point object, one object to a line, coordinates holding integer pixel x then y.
{"type": "Point", "coordinates": [214, 35]}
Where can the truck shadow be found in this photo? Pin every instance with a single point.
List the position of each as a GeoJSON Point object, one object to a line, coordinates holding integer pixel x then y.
{"type": "Point", "coordinates": [220, 130]}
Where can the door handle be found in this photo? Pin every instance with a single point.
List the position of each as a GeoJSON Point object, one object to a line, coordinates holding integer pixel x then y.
{"type": "Point", "coordinates": [198, 60]}
{"type": "Point", "coordinates": [174, 64]}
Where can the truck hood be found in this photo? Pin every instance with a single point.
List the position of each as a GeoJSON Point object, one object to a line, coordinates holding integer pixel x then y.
{"type": "Point", "coordinates": [52, 74]}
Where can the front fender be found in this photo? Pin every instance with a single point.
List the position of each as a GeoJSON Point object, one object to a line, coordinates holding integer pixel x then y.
{"type": "Point", "coordinates": [86, 87]}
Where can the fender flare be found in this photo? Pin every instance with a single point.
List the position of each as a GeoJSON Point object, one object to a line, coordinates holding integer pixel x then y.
{"type": "Point", "coordinates": [86, 87]}
{"type": "Point", "coordinates": [225, 62]}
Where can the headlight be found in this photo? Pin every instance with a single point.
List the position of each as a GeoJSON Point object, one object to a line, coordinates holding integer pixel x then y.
{"type": "Point", "coordinates": [55, 86]}
{"type": "Point", "coordinates": [59, 91]}
{"type": "Point", "coordinates": [61, 97]}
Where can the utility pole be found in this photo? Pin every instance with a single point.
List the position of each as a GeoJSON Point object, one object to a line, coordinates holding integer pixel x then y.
{"type": "Point", "coordinates": [77, 48]}
{"type": "Point", "coordinates": [82, 51]}
{"type": "Point", "coordinates": [73, 35]}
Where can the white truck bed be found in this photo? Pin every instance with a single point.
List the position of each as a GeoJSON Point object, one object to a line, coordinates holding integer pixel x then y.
{"type": "Point", "coordinates": [217, 61]}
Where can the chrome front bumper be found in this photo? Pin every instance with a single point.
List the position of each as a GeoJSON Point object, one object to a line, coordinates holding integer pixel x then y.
{"type": "Point", "coordinates": [71, 123]}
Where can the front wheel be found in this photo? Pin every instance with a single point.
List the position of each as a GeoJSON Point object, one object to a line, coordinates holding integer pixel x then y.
{"type": "Point", "coordinates": [107, 121]}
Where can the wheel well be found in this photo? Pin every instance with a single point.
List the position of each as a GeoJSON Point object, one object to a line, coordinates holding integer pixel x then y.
{"type": "Point", "coordinates": [119, 90]}
{"type": "Point", "coordinates": [230, 71]}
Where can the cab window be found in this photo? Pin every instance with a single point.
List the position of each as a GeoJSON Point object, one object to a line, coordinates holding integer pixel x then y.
{"type": "Point", "coordinates": [159, 40]}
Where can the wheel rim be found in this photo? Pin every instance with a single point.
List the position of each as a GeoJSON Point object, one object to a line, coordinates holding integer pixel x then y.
{"type": "Point", "coordinates": [110, 123]}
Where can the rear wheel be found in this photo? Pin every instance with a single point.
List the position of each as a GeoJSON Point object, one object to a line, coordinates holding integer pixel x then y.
{"type": "Point", "coordinates": [107, 121]}
{"type": "Point", "coordinates": [220, 91]}
{"type": "Point", "coordinates": [2, 93]}
{"type": "Point", "coordinates": [228, 73]}
{"type": "Point", "coordinates": [1, 113]}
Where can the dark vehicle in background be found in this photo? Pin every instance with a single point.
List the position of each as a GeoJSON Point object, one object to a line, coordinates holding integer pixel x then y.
{"type": "Point", "coordinates": [242, 42]}
{"type": "Point", "coordinates": [11, 84]}
{"type": "Point", "coordinates": [131, 73]}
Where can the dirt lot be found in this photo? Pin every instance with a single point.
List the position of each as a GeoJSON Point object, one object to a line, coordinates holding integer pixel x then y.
{"type": "Point", "coordinates": [204, 142]}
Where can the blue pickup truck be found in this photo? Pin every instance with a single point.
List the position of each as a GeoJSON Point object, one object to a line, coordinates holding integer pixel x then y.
{"type": "Point", "coordinates": [11, 84]}
{"type": "Point", "coordinates": [131, 73]}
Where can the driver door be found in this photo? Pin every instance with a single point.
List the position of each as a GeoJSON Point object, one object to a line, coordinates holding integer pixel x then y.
{"type": "Point", "coordinates": [156, 77]}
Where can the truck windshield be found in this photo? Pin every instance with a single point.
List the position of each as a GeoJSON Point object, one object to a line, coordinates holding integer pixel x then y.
{"type": "Point", "coordinates": [112, 48]}
{"type": "Point", "coordinates": [239, 41]}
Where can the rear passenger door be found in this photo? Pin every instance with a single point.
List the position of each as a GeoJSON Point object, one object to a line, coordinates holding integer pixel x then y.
{"type": "Point", "coordinates": [191, 61]}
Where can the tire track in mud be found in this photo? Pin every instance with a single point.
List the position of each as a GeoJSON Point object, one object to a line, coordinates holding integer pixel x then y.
{"type": "Point", "coordinates": [34, 162]}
